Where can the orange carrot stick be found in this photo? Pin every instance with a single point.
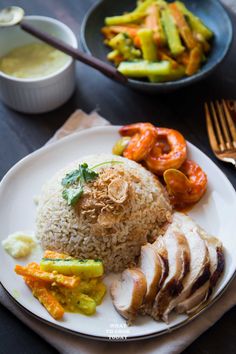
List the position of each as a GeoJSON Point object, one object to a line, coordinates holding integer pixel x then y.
{"type": "Point", "coordinates": [194, 61]}
{"type": "Point", "coordinates": [200, 39]}
{"type": "Point", "coordinates": [137, 42]}
{"type": "Point", "coordinates": [46, 298]}
{"type": "Point", "coordinates": [164, 56]}
{"type": "Point", "coordinates": [153, 22]}
{"type": "Point", "coordinates": [183, 58]}
{"type": "Point", "coordinates": [130, 30]}
{"type": "Point", "coordinates": [151, 18]}
{"type": "Point", "coordinates": [184, 29]}
{"type": "Point", "coordinates": [35, 273]}
{"type": "Point", "coordinates": [55, 255]}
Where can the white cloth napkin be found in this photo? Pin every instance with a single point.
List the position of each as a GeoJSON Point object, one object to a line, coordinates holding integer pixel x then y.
{"type": "Point", "coordinates": [172, 343]}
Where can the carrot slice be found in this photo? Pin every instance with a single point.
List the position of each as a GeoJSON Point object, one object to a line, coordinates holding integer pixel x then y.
{"type": "Point", "coordinates": [203, 42]}
{"type": "Point", "coordinates": [164, 56]}
{"type": "Point", "coordinates": [153, 22]}
{"type": "Point", "coordinates": [194, 61]}
{"type": "Point", "coordinates": [183, 58]}
{"type": "Point", "coordinates": [46, 298]}
{"type": "Point", "coordinates": [151, 18]}
{"type": "Point", "coordinates": [35, 273]}
{"type": "Point", "coordinates": [137, 41]}
{"type": "Point", "coordinates": [130, 30]}
{"type": "Point", "coordinates": [183, 27]}
{"type": "Point", "coordinates": [55, 255]}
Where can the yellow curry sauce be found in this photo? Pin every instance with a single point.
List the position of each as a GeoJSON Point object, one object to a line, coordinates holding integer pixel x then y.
{"type": "Point", "coordinates": [33, 60]}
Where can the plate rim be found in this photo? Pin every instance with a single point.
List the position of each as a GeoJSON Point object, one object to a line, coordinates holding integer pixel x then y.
{"type": "Point", "coordinates": [44, 149]}
{"type": "Point", "coordinates": [128, 339]}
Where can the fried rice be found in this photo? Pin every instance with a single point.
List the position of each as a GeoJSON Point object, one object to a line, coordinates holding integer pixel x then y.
{"type": "Point", "coordinates": [119, 211]}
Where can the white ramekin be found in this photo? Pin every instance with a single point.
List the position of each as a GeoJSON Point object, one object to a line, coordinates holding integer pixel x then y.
{"type": "Point", "coordinates": [46, 93]}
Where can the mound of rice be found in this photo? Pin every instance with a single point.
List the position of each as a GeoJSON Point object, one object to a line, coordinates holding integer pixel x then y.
{"type": "Point", "coordinates": [119, 211]}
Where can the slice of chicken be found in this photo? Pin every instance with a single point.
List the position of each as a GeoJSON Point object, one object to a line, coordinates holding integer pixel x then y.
{"type": "Point", "coordinates": [177, 251]}
{"type": "Point", "coordinates": [128, 293]}
{"type": "Point", "coordinates": [192, 303]}
{"type": "Point", "coordinates": [199, 270]}
{"type": "Point", "coordinates": [161, 251]}
{"type": "Point", "coordinates": [151, 264]}
{"type": "Point", "coordinates": [185, 254]}
{"type": "Point", "coordinates": [216, 256]}
{"type": "Point", "coordinates": [217, 259]}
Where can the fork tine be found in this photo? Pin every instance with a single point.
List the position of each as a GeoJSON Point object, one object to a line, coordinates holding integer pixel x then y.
{"type": "Point", "coordinates": [217, 126]}
{"type": "Point", "coordinates": [224, 125]}
{"type": "Point", "coordinates": [210, 129]}
{"type": "Point", "coordinates": [231, 104]}
{"type": "Point", "coordinates": [231, 123]}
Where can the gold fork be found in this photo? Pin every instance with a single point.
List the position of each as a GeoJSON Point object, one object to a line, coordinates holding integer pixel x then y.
{"type": "Point", "coordinates": [221, 131]}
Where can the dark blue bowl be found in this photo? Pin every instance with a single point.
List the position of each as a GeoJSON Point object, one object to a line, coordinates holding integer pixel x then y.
{"type": "Point", "coordinates": [210, 11]}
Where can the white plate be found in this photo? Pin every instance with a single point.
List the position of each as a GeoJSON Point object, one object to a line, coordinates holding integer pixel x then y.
{"type": "Point", "coordinates": [215, 212]}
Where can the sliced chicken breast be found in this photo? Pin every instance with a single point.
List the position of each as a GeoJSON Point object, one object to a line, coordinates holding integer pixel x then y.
{"type": "Point", "coordinates": [128, 293]}
{"type": "Point", "coordinates": [161, 251]}
{"type": "Point", "coordinates": [177, 252]}
{"type": "Point", "coordinates": [199, 267]}
{"type": "Point", "coordinates": [216, 257]}
{"type": "Point", "coordinates": [151, 264]}
{"type": "Point", "coordinates": [185, 254]}
{"type": "Point", "coordinates": [178, 271]}
{"type": "Point", "coordinates": [160, 246]}
{"type": "Point", "coordinates": [192, 303]}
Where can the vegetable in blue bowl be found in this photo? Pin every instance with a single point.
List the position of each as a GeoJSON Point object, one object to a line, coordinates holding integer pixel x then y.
{"type": "Point", "coordinates": [160, 46]}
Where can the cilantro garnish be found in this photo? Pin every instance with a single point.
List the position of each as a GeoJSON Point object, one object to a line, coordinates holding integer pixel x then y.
{"type": "Point", "coordinates": [72, 195]}
{"type": "Point", "coordinates": [83, 174]}
{"type": "Point", "coordinates": [75, 181]}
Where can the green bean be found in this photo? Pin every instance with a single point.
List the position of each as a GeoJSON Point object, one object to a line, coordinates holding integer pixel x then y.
{"type": "Point", "coordinates": [175, 74]}
{"type": "Point", "coordinates": [144, 68]}
{"type": "Point", "coordinates": [123, 43]}
{"type": "Point", "coordinates": [160, 31]}
{"type": "Point", "coordinates": [148, 45]}
{"type": "Point", "coordinates": [113, 54]}
{"type": "Point", "coordinates": [142, 7]}
{"type": "Point", "coordinates": [172, 34]}
{"type": "Point", "coordinates": [162, 4]}
{"type": "Point", "coordinates": [134, 16]}
{"type": "Point", "coordinates": [123, 19]}
{"type": "Point", "coordinates": [195, 22]}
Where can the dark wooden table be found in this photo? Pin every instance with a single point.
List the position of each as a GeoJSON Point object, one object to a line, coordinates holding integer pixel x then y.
{"type": "Point", "coordinates": [21, 134]}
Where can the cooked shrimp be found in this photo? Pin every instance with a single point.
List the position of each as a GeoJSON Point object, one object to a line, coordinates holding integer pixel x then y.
{"type": "Point", "coordinates": [187, 185]}
{"type": "Point", "coordinates": [143, 137]}
{"type": "Point", "coordinates": [158, 160]}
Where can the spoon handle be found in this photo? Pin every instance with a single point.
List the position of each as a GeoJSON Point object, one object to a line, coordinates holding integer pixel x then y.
{"type": "Point", "coordinates": [97, 64]}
